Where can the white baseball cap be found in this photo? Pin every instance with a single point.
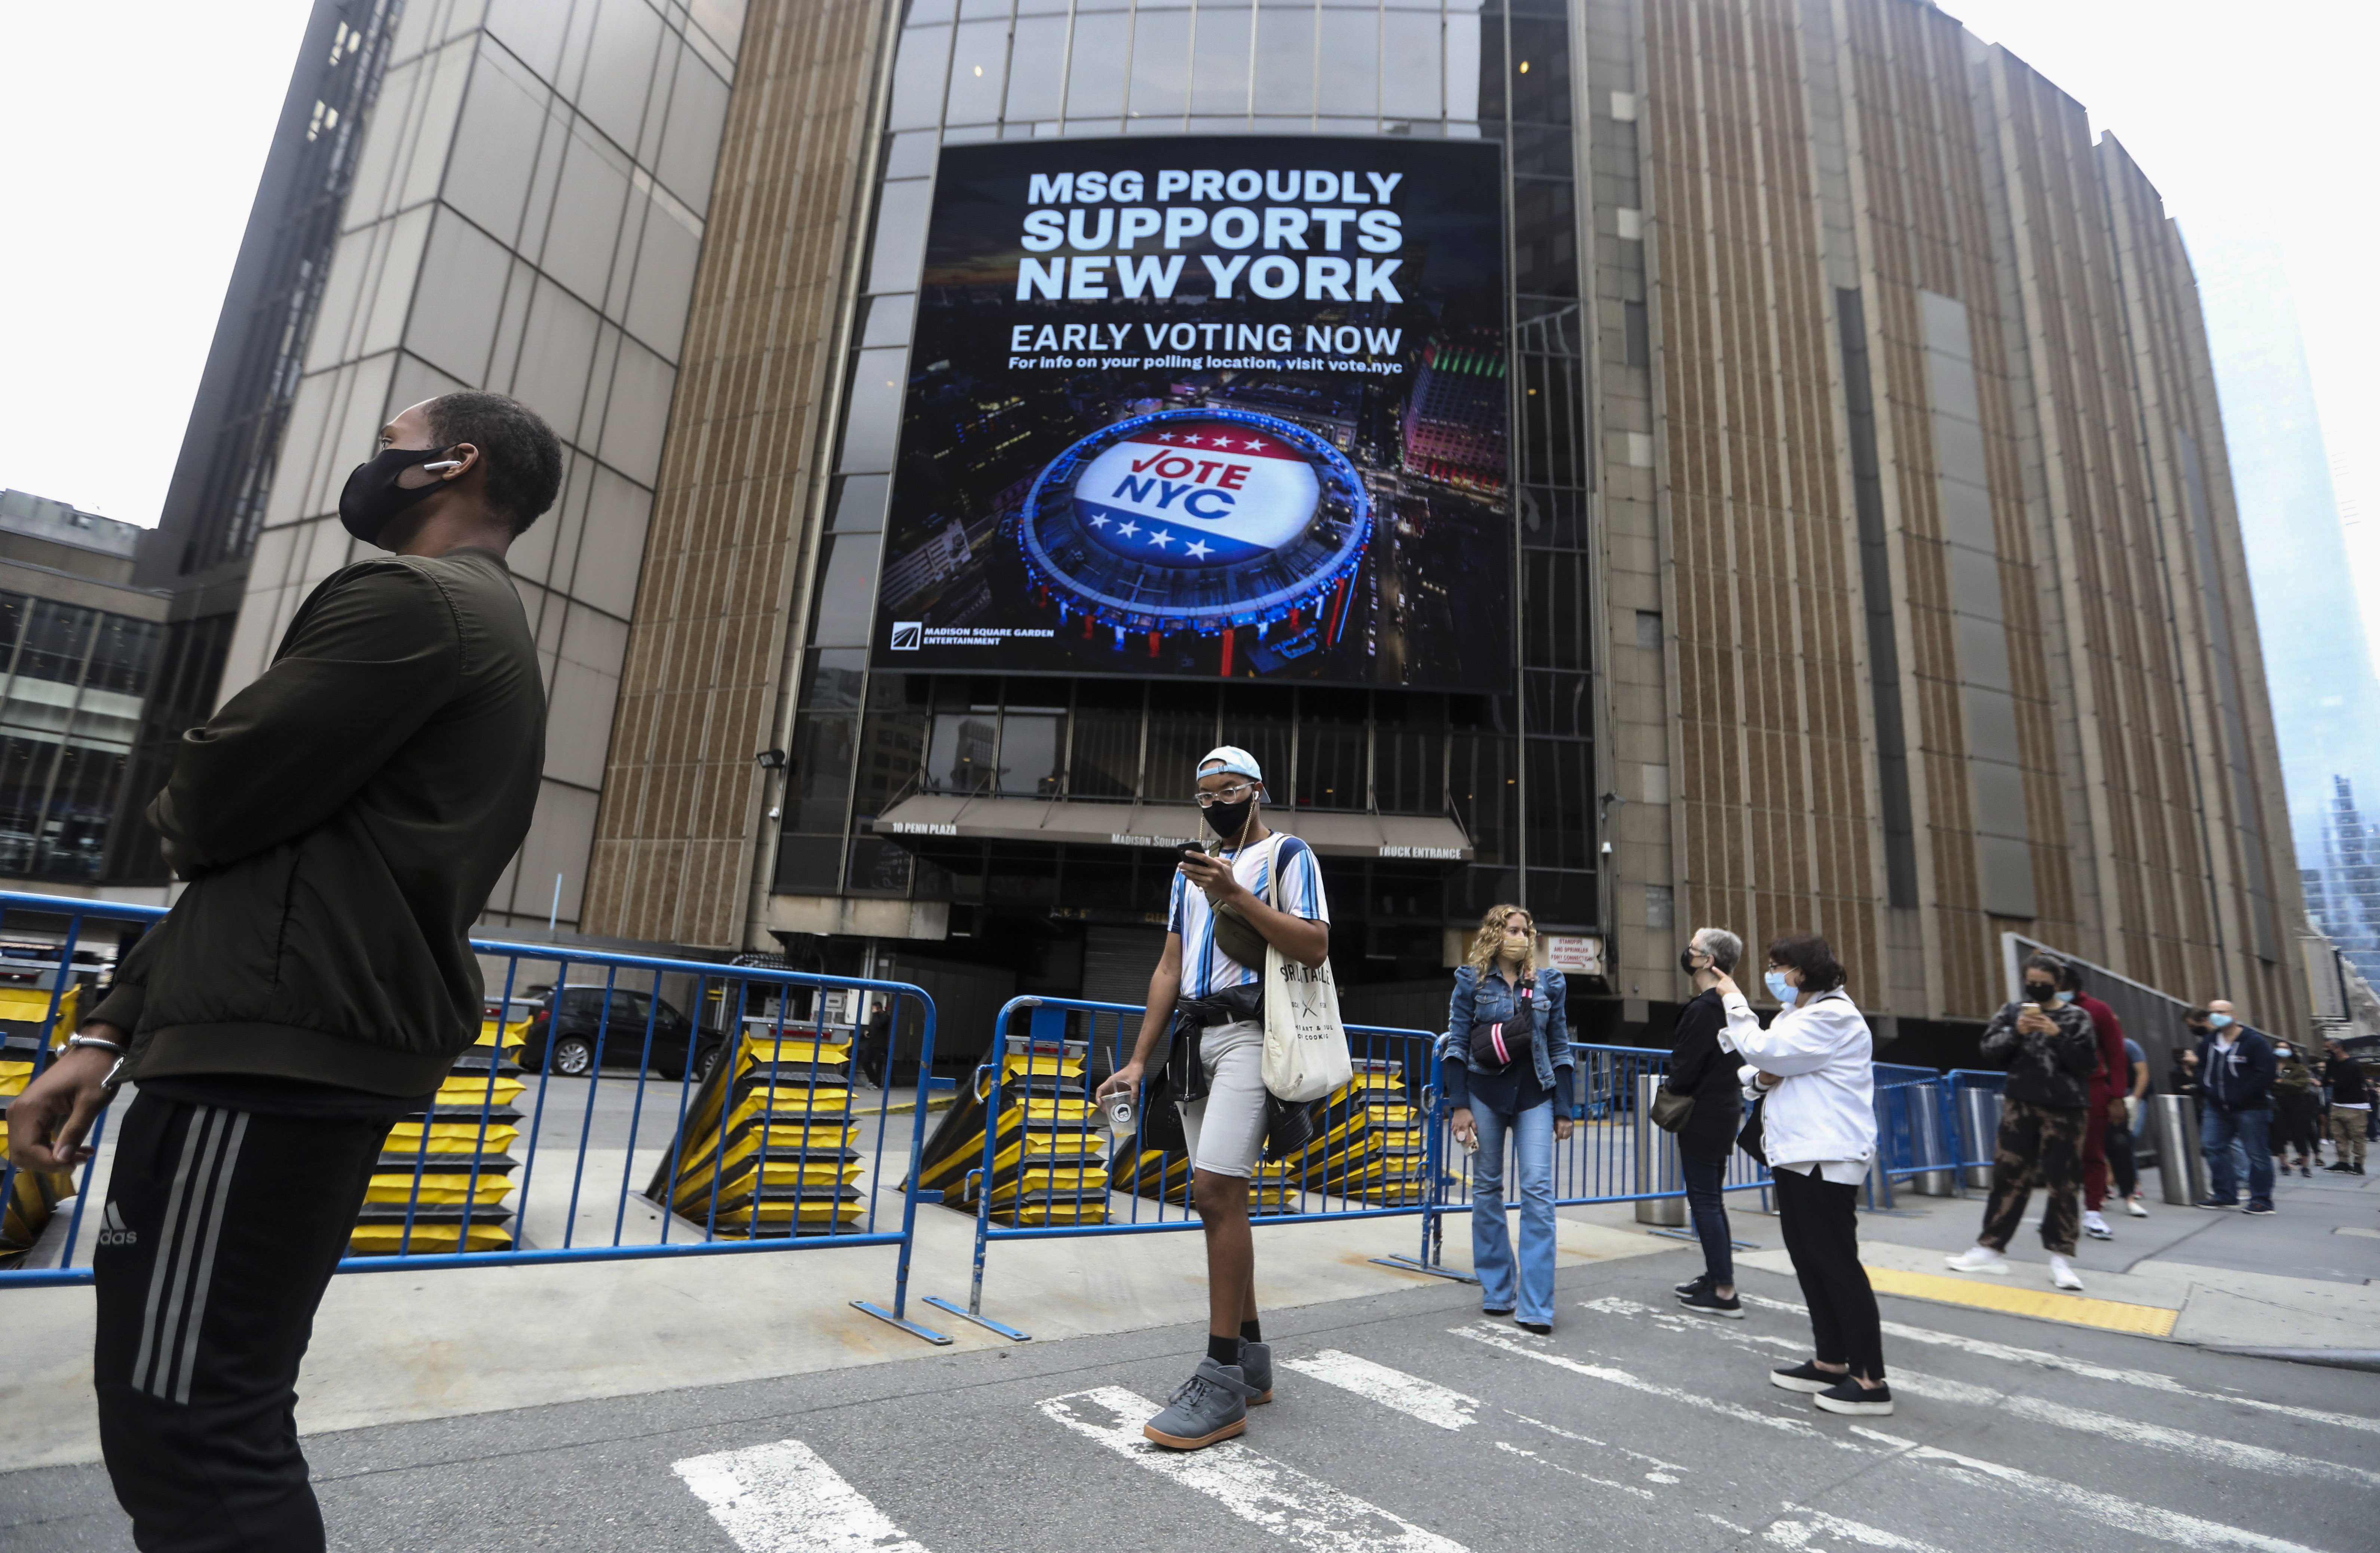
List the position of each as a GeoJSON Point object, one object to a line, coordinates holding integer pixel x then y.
{"type": "Point", "coordinates": [1230, 758]}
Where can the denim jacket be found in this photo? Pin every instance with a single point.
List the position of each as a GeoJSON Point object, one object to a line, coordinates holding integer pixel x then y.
{"type": "Point", "coordinates": [1483, 999]}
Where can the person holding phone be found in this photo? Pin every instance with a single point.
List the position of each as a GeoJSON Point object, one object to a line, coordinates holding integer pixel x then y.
{"type": "Point", "coordinates": [2051, 1051]}
{"type": "Point", "coordinates": [1702, 1064]}
{"type": "Point", "coordinates": [1504, 1066]}
{"type": "Point", "coordinates": [1207, 995]}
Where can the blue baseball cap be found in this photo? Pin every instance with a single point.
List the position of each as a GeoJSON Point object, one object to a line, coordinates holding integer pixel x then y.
{"type": "Point", "coordinates": [1230, 758]}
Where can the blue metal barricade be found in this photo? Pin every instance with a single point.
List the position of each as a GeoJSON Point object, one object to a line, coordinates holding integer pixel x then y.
{"type": "Point", "coordinates": [1369, 1158]}
{"type": "Point", "coordinates": [749, 1140]}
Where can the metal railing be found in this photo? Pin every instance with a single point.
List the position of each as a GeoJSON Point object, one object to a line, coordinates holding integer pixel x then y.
{"type": "Point", "coordinates": [1372, 1151]}
{"type": "Point", "coordinates": [749, 1138]}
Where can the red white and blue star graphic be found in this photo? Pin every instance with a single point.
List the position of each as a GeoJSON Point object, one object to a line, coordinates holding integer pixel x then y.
{"type": "Point", "coordinates": [1196, 493]}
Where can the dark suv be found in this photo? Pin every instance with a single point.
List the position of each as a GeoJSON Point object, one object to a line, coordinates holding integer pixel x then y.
{"type": "Point", "coordinates": [564, 1033]}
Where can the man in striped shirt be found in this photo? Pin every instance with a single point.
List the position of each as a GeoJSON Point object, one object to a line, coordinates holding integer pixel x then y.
{"type": "Point", "coordinates": [1211, 1001]}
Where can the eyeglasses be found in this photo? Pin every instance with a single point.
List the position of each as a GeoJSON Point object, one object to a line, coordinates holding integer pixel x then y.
{"type": "Point", "coordinates": [1232, 794]}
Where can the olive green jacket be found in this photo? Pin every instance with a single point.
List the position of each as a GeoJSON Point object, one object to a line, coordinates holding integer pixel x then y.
{"type": "Point", "coordinates": [341, 822]}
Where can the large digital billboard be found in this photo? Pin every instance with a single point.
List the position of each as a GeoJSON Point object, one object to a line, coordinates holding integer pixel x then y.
{"type": "Point", "coordinates": [1208, 406]}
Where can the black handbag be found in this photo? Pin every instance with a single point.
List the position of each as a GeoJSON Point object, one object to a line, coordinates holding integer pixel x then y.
{"type": "Point", "coordinates": [1496, 1044]}
{"type": "Point", "coordinates": [1670, 1109]}
{"type": "Point", "coordinates": [1753, 1139]}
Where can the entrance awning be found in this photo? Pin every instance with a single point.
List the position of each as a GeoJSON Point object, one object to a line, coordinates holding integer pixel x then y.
{"type": "Point", "coordinates": [965, 816]}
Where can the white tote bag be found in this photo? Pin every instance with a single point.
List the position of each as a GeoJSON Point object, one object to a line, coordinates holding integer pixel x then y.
{"type": "Point", "coordinates": [1306, 1047]}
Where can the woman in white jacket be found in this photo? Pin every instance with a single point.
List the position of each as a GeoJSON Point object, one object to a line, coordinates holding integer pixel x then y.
{"type": "Point", "coordinates": [1811, 1069]}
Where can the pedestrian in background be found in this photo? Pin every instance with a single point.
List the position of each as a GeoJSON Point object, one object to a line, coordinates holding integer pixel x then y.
{"type": "Point", "coordinates": [2123, 1150]}
{"type": "Point", "coordinates": [2109, 1080]}
{"type": "Point", "coordinates": [2236, 1069]}
{"type": "Point", "coordinates": [875, 1043]}
{"type": "Point", "coordinates": [2296, 1106]}
{"type": "Point", "coordinates": [1814, 1072]}
{"type": "Point", "coordinates": [340, 824]}
{"type": "Point", "coordinates": [1504, 1066]}
{"type": "Point", "coordinates": [1703, 1065]}
{"type": "Point", "coordinates": [2050, 1050]}
{"type": "Point", "coordinates": [2181, 1076]}
{"type": "Point", "coordinates": [2350, 1107]}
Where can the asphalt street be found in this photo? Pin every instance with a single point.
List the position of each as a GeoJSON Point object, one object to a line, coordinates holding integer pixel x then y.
{"type": "Point", "coordinates": [1404, 1422]}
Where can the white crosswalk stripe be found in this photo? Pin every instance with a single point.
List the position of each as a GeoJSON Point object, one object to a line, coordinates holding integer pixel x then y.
{"type": "Point", "coordinates": [784, 1498]}
{"type": "Point", "coordinates": [2090, 1505]}
{"type": "Point", "coordinates": [2238, 1455]}
{"type": "Point", "coordinates": [1254, 1487]}
{"type": "Point", "coordinates": [2148, 1380]}
{"type": "Point", "coordinates": [1797, 1533]}
{"type": "Point", "coordinates": [1411, 1395]}
{"type": "Point", "coordinates": [1511, 1342]}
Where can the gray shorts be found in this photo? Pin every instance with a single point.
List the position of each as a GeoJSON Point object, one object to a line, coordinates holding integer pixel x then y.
{"type": "Point", "coordinates": [1226, 1130]}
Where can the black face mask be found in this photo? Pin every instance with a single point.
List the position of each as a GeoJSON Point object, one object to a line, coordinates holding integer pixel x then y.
{"type": "Point", "coordinates": [1230, 820]}
{"type": "Point", "coordinates": [1686, 960]}
{"type": "Point", "coordinates": [372, 496]}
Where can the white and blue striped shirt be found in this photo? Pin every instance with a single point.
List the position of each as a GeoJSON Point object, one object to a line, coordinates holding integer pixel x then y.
{"type": "Point", "coordinates": [1206, 969]}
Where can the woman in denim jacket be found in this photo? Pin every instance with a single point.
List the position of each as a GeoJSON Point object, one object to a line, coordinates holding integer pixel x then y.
{"type": "Point", "coordinates": [1497, 1087]}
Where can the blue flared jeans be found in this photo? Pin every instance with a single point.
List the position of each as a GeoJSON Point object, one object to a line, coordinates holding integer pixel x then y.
{"type": "Point", "coordinates": [1532, 1133]}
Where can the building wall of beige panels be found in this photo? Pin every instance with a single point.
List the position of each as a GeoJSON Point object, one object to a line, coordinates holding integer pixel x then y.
{"type": "Point", "coordinates": [2090, 754]}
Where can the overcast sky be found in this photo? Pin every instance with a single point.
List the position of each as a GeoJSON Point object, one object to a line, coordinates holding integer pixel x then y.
{"type": "Point", "coordinates": [132, 153]}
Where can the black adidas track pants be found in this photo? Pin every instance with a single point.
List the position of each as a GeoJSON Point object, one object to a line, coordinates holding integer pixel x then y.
{"type": "Point", "coordinates": [221, 1231]}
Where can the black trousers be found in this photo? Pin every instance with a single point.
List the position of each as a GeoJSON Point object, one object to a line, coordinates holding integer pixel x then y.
{"type": "Point", "coordinates": [222, 1230]}
{"type": "Point", "coordinates": [1820, 1222]}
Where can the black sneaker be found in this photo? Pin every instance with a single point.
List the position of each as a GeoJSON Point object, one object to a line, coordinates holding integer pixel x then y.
{"type": "Point", "coordinates": [1805, 1376]}
{"type": "Point", "coordinates": [1851, 1397]}
{"type": "Point", "coordinates": [2260, 1207]}
{"type": "Point", "coordinates": [1703, 1280]}
{"type": "Point", "coordinates": [1542, 1329]}
{"type": "Point", "coordinates": [2218, 1202]}
{"type": "Point", "coordinates": [2342, 1170]}
{"type": "Point", "coordinates": [1490, 1310]}
{"type": "Point", "coordinates": [1709, 1303]}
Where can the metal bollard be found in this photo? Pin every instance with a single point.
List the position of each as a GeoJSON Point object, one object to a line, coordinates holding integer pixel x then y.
{"type": "Point", "coordinates": [1656, 1162]}
{"type": "Point", "coordinates": [1928, 1143]}
{"type": "Point", "coordinates": [2181, 1166]}
{"type": "Point", "coordinates": [1979, 1112]}
{"type": "Point", "coordinates": [1879, 1181]}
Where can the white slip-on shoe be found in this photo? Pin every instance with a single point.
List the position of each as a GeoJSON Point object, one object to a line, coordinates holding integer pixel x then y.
{"type": "Point", "coordinates": [2132, 1206]}
{"type": "Point", "coordinates": [1977, 1259]}
{"type": "Point", "coordinates": [2063, 1274]}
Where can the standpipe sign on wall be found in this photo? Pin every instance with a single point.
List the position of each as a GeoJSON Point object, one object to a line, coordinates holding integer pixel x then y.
{"type": "Point", "coordinates": [1208, 406]}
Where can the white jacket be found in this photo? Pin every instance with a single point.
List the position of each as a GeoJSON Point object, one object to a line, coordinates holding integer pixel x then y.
{"type": "Point", "coordinates": [1826, 1108]}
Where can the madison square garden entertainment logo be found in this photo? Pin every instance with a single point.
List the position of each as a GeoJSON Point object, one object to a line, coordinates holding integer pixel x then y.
{"type": "Point", "coordinates": [1208, 406]}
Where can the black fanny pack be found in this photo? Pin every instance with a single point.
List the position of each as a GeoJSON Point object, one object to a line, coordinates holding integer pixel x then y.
{"type": "Point", "coordinates": [1192, 1017]}
{"type": "Point", "coordinates": [1496, 1044]}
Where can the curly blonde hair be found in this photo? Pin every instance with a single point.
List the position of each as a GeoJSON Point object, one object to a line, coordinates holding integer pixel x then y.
{"type": "Point", "coordinates": [1490, 939]}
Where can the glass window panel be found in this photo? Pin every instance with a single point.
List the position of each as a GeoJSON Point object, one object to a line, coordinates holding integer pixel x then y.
{"type": "Point", "coordinates": [584, 229]}
{"type": "Point", "coordinates": [1541, 93]}
{"type": "Point", "coordinates": [1036, 69]}
{"type": "Point", "coordinates": [919, 73]}
{"type": "Point", "coordinates": [1029, 743]}
{"type": "Point", "coordinates": [960, 752]}
{"type": "Point", "coordinates": [637, 413]}
{"type": "Point", "coordinates": [1181, 728]}
{"type": "Point", "coordinates": [697, 115]}
{"type": "Point", "coordinates": [465, 270]}
{"type": "Point", "coordinates": [1409, 757]}
{"type": "Point", "coordinates": [859, 504]}
{"type": "Point", "coordinates": [1413, 61]}
{"type": "Point", "coordinates": [495, 144]}
{"type": "Point", "coordinates": [1560, 703]}
{"type": "Point", "coordinates": [619, 74]}
{"type": "Point", "coordinates": [663, 285]}
{"type": "Point", "coordinates": [1285, 59]}
{"type": "Point", "coordinates": [832, 677]}
{"type": "Point", "coordinates": [1160, 64]}
{"type": "Point", "coordinates": [978, 73]}
{"type": "Point", "coordinates": [900, 253]}
{"type": "Point", "coordinates": [531, 29]}
{"type": "Point", "coordinates": [56, 643]}
{"type": "Point", "coordinates": [891, 746]}
{"type": "Point", "coordinates": [818, 790]}
{"type": "Point", "coordinates": [846, 595]}
{"type": "Point", "coordinates": [557, 349]}
{"type": "Point", "coordinates": [809, 864]}
{"type": "Point", "coordinates": [873, 421]}
{"type": "Point", "coordinates": [1219, 76]}
{"type": "Point", "coordinates": [1349, 79]}
{"type": "Point", "coordinates": [1106, 760]}
{"type": "Point", "coordinates": [1101, 65]}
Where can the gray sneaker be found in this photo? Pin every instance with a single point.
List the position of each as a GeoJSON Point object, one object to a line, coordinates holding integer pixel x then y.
{"type": "Point", "coordinates": [1256, 1368]}
{"type": "Point", "coordinates": [1212, 1405]}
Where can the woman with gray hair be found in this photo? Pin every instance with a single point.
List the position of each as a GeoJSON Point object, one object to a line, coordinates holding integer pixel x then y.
{"type": "Point", "coordinates": [1703, 1065]}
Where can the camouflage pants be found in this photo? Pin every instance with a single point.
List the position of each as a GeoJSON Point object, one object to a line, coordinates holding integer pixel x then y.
{"type": "Point", "coordinates": [2038, 1145]}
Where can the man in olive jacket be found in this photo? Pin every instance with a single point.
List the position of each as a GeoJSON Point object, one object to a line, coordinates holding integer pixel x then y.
{"type": "Point", "coordinates": [340, 824]}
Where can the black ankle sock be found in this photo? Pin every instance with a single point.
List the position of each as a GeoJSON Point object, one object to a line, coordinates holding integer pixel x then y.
{"type": "Point", "coordinates": [1223, 1350]}
{"type": "Point", "coordinates": [1251, 1332]}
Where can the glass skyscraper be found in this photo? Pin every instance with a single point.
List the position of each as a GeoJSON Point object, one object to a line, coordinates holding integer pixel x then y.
{"type": "Point", "coordinates": [2318, 659]}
